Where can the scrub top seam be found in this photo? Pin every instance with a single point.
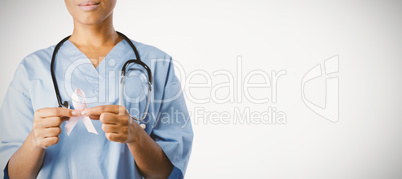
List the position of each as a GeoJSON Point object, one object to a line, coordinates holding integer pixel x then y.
{"type": "Point", "coordinates": [19, 91]}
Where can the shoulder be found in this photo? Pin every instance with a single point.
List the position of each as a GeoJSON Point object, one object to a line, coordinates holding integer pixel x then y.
{"type": "Point", "coordinates": [38, 58]}
{"type": "Point", "coordinates": [155, 58]}
{"type": "Point", "coordinates": [30, 66]}
{"type": "Point", "coordinates": [149, 51]}
{"type": "Point", "coordinates": [36, 61]}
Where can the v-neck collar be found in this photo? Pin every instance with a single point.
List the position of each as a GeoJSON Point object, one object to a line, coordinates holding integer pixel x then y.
{"type": "Point", "coordinates": [75, 49]}
{"type": "Point", "coordinates": [81, 61]}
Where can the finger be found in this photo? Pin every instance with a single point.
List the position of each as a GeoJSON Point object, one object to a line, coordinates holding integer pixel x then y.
{"type": "Point", "coordinates": [47, 122]}
{"type": "Point", "coordinates": [110, 128]}
{"type": "Point", "coordinates": [52, 132]}
{"type": "Point", "coordinates": [115, 137]}
{"type": "Point", "coordinates": [57, 112]}
{"type": "Point", "coordinates": [49, 141]}
{"type": "Point", "coordinates": [48, 132]}
{"type": "Point", "coordinates": [52, 122]}
{"type": "Point", "coordinates": [64, 119]}
{"type": "Point", "coordinates": [109, 118]}
{"type": "Point", "coordinates": [95, 117]}
{"type": "Point", "coordinates": [98, 110]}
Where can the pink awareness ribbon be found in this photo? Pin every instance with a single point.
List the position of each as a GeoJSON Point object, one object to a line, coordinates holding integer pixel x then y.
{"type": "Point", "coordinates": [79, 106]}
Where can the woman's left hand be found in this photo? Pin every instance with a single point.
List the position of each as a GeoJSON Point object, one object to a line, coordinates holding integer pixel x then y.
{"type": "Point", "coordinates": [116, 122]}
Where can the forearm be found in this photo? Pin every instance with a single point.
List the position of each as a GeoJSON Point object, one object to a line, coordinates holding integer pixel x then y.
{"type": "Point", "coordinates": [27, 161]}
{"type": "Point", "coordinates": [149, 156]}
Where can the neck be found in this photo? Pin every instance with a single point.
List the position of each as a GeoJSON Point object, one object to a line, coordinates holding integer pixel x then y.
{"type": "Point", "coordinates": [95, 35]}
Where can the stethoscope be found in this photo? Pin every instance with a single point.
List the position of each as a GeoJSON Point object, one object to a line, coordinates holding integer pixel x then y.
{"type": "Point", "coordinates": [138, 61]}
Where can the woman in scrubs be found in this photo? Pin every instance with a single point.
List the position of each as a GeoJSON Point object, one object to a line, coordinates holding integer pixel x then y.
{"type": "Point", "coordinates": [34, 143]}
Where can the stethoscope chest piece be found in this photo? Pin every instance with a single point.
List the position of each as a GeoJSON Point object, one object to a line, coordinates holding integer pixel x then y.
{"type": "Point", "coordinates": [66, 105]}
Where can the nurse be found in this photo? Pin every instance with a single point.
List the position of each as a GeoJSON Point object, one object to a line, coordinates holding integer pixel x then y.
{"type": "Point", "coordinates": [34, 142]}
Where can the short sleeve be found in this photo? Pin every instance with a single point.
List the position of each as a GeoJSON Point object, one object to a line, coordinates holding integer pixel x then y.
{"type": "Point", "coordinates": [16, 116]}
{"type": "Point", "coordinates": [173, 131]}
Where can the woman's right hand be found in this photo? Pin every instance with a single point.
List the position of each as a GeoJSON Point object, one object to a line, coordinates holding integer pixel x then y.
{"type": "Point", "coordinates": [46, 125]}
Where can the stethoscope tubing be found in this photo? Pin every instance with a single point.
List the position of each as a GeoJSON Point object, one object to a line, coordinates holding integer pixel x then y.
{"type": "Point", "coordinates": [65, 104]}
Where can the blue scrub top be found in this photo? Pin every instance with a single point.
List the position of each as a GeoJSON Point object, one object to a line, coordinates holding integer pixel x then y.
{"type": "Point", "coordinates": [83, 154]}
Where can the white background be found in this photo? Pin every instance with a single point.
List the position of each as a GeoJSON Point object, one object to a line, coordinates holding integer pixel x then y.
{"type": "Point", "coordinates": [294, 36]}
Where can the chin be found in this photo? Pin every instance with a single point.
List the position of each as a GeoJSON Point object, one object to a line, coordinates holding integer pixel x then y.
{"type": "Point", "coordinates": [90, 20]}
